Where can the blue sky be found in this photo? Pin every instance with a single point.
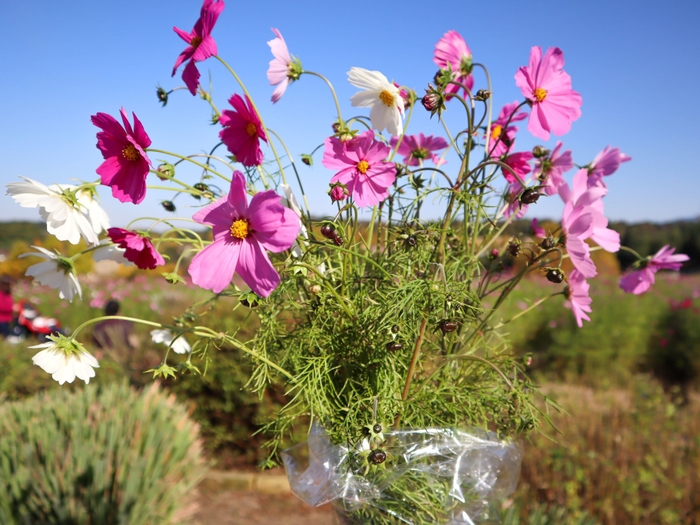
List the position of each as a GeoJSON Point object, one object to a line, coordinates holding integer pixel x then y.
{"type": "Point", "coordinates": [635, 63]}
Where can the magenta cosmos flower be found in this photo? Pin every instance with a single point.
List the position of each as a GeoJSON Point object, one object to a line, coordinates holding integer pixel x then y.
{"type": "Point", "coordinates": [126, 164]}
{"type": "Point", "coordinates": [452, 51]}
{"type": "Point", "coordinates": [605, 163]}
{"type": "Point", "coordinates": [502, 133]}
{"type": "Point", "coordinates": [283, 68]}
{"type": "Point", "coordinates": [362, 165]}
{"type": "Point", "coordinates": [242, 234]}
{"type": "Point", "coordinates": [577, 292]}
{"type": "Point", "coordinates": [138, 248]}
{"type": "Point", "coordinates": [550, 169]}
{"type": "Point", "coordinates": [641, 280]}
{"type": "Point", "coordinates": [416, 148]}
{"type": "Point", "coordinates": [520, 164]}
{"type": "Point", "coordinates": [547, 87]}
{"type": "Point", "coordinates": [200, 43]}
{"type": "Point", "coordinates": [243, 131]}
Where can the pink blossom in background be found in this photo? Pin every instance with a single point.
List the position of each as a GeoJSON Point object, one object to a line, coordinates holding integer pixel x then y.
{"type": "Point", "coordinates": [200, 43]}
{"type": "Point", "coordinates": [126, 164]}
{"type": "Point", "coordinates": [138, 248]}
{"type": "Point", "coordinates": [546, 85]}
{"type": "Point", "coordinates": [404, 95]}
{"type": "Point", "coordinates": [278, 72]}
{"type": "Point", "coordinates": [519, 163]}
{"type": "Point", "coordinates": [453, 50]}
{"type": "Point", "coordinates": [416, 148]}
{"type": "Point", "coordinates": [502, 133]}
{"type": "Point", "coordinates": [513, 204]}
{"type": "Point", "coordinates": [243, 233]}
{"type": "Point", "coordinates": [605, 163]}
{"type": "Point", "coordinates": [579, 300]}
{"type": "Point", "coordinates": [537, 230]}
{"type": "Point", "coordinates": [577, 226]}
{"type": "Point", "coordinates": [362, 166]}
{"type": "Point", "coordinates": [606, 238]}
{"type": "Point", "coordinates": [640, 281]}
{"type": "Point", "coordinates": [550, 170]}
{"type": "Point", "coordinates": [243, 131]}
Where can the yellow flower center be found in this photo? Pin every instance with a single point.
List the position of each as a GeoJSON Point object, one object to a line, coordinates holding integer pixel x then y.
{"type": "Point", "coordinates": [496, 131]}
{"type": "Point", "coordinates": [386, 98]}
{"type": "Point", "coordinates": [240, 229]}
{"type": "Point", "coordinates": [251, 129]}
{"type": "Point", "coordinates": [130, 153]}
{"type": "Point", "coordinates": [540, 94]}
{"type": "Point", "coordinates": [196, 41]}
{"type": "Point", "coordinates": [363, 166]}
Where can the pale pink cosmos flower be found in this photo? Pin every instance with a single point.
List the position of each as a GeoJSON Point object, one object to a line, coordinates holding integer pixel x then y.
{"type": "Point", "coordinates": [137, 248]}
{"type": "Point", "coordinates": [579, 300]}
{"type": "Point", "coordinates": [242, 233]}
{"type": "Point", "coordinates": [283, 68]}
{"type": "Point", "coordinates": [452, 51]}
{"type": "Point", "coordinates": [243, 131]}
{"type": "Point", "coordinates": [200, 43]}
{"type": "Point", "coordinates": [363, 167]}
{"type": "Point", "coordinates": [502, 133]}
{"type": "Point", "coordinates": [416, 148]}
{"type": "Point", "coordinates": [605, 163]}
{"type": "Point", "coordinates": [550, 170]}
{"type": "Point", "coordinates": [640, 281]}
{"type": "Point", "coordinates": [546, 86]}
{"type": "Point", "coordinates": [126, 164]}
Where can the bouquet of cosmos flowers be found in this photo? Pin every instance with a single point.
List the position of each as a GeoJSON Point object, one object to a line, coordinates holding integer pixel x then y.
{"type": "Point", "coordinates": [383, 329]}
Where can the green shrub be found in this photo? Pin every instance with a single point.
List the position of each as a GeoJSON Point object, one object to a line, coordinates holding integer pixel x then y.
{"type": "Point", "coordinates": [106, 455]}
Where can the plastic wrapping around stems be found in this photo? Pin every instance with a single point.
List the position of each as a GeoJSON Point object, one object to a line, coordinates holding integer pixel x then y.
{"type": "Point", "coordinates": [432, 475]}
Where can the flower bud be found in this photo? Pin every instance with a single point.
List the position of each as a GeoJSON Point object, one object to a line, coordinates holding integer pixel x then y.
{"type": "Point", "coordinates": [377, 457]}
{"type": "Point", "coordinates": [530, 196]}
{"type": "Point", "coordinates": [315, 289]}
{"type": "Point", "coordinates": [249, 299]}
{"type": "Point", "coordinates": [307, 159]}
{"type": "Point", "coordinates": [328, 231]}
{"type": "Point", "coordinates": [548, 243]}
{"type": "Point", "coordinates": [377, 428]}
{"type": "Point", "coordinates": [165, 171]}
{"type": "Point", "coordinates": [447, 326]}
{"type": "Point", "coordinates": [168, 206]}
{"type": "Point", "coordinates": [338, 192]}
{"type": "Point", "coordinates": [539, 152]}
{"type": "Point", "coordinates": [411, 241]}
{"type": "Point", "coordinates": [514, 247]}
{"type": "Point", "coordinates": [162, 95]}
{"type": "Point", "coordinates": [555, 275]}
{"type": "Point", "coordinates": [483, 94]}
{"type": "Point", "coordinates": [214, 119]}
{"type": "Point", "coordinates": [394, 346]}
{"type": "Point", "coordinates": [338, 240]}
{"type": "Point", "coordinates": [493, 254]}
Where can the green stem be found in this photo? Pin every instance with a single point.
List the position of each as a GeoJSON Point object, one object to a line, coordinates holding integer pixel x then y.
{"type": "Point", "coordinates": [335, 97]}
{"type": "Point", "coordinates": [183, 157]}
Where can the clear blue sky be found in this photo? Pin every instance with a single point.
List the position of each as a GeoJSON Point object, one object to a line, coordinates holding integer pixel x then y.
{"type": "Point", "coordinates": [636, 64]}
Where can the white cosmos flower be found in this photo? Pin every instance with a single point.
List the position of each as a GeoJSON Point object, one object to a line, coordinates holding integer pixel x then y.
{"type": "Point", "coordinates": [108, 251]}
{"type": "Point", "coordinates": [179, 346]}
{"type": "Point", "coordinates": [65, 360]}
{"type": "Point", "coordinates": [380, 95]}
{"type": "Point", "coordinates": [55, 272]}
{"type": "Point", "coordinates": [67, 217]}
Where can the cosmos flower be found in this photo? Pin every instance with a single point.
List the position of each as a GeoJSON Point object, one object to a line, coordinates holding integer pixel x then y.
{"type": "Point", "coordinates": [126, 164]}
{"type": "Point", "coordinates": [179, 345]}
{"type": "Point", "coordinates": [547, 87]}
{"type": "Point", "coordinates": [550, 169]}
{"type": "Point", "coordinates": [605, 163]}
{"type": "Point", "coordinates": [382, 96]}
{"type": "Point", "coordinates": [537, 230]}
{"type": "Point", "coordinates": [107, 251]}
{"type": "Point", "coordinates": [137, 248]}
{"type": "Point", "coordinates": [416, 148]}
{"type": "Point", "coordinates": [502, 133]}
{"type": "Point", "coordinates": [452, 51]}
{"type": "Point", "coordinates": [640, 281]}
{"type": "Point", "coordinates": [243, 131]}
{"type": "Point", "coordinates": [200, 43]}
{"type": "Point", "coordinates": [55, 272]}
{"type": "Point", "coordinates": [519, 163]}
{"type": "Point", "coordinates": [579, 300]}
{"type": "Point", "coordinates": [243, 233]}
{"type": "Point", "coordinates": [65, 359]}
{"type": "Point", "coordinates": [284, 69]}
{"type": "Point", "coordinates": [362, 166]}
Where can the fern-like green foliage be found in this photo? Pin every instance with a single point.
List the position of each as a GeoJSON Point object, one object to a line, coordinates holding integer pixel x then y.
{"type": "Point", "coordinates": [107, 455]}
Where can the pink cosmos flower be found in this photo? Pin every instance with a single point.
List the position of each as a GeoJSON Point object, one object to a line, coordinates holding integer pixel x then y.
{"type": "Point", "coordinates": [452, 51]}
{"type": "Point", "coordinates": [242, 233]}
{"type": "Point", "coordinates": [362, 165]}
{"type": "Point", "coordinates": [547, 87]}
{"type": "Point", "coordinates": [283, 68]}
{"type": "Point", "coordinates": [126, 164]}
{"type": "Point", "coordinates": [605, 163]}
{"type": "Point", "coordinates": [243, 131]}
{"type": "Point", "coordinates": [519, 163]}
{"type": "Point", "coordinates": [550, 170]}
{"type": "Point", "coordinates": [502, 133]}
{"type": "Point", "coordinates": [641, 280]}
{"type": "Point", "coordinates": [513, 204]}
{"type": "Point", "coordinates": [138, 248]}
{"type": "Point", "coordinates": [416, 148]}
{"type": "Point", "coordinates": [579, 300]}
{"type": "Point", "coordinates": [200, 43]}
{"type": "Point", "coordinates": [537, 230]}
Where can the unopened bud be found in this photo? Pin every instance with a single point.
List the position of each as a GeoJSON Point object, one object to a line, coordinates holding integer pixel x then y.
{"type": "Point", "coordinates": [540, 151]}
{"type": "Point", "coordinates": [447, 326]}
{"type": "Point", "coordinates": [328, 231]}
{"type": "Point", "coordinates": [162, 95]}
{"type": "Point", "coordinates": [168, 206]}
{"type": "Point", "coordinates": [338, 193]}
{"type": "Point", "coordinates": [315, 289]}
{"type": "Point", "coordinates": [338, 240]}
{"type": "Point", "coordinates": [483, 94]}
{"type": "Point", "coordinates": [555, 275]}
{"type": "Point", "coordinates": [307, 159]}
{"type": "Point", "coordinates": [165, 171]}
{"type": "Point", "coordinates": [548, 243]}
{"type": "Point", "coordinates": [494, 253]}
{"type": "Point", "coordinates": [530, 196]}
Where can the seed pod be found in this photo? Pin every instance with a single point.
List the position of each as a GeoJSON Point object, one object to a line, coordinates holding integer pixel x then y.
{"type": "Point", "coordinates": [447, 326]}
{"type": "Point", "coordinates": [377, 428]}
{"type": "Point", "coordinates": [555, 275]}
{"type": "Point", "coordinates": [328, 231]}
{"type": "Point", "coordinates": [394, 346]}
{"type": "Point", "coordinates": [377, 457]}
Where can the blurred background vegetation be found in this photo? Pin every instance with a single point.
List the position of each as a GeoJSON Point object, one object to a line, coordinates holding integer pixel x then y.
{"type": "Point", "coordinates": [625, 449]}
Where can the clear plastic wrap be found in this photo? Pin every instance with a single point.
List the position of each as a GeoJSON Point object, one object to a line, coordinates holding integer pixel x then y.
{"type": "Point", "coordinates": [432, 475]}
